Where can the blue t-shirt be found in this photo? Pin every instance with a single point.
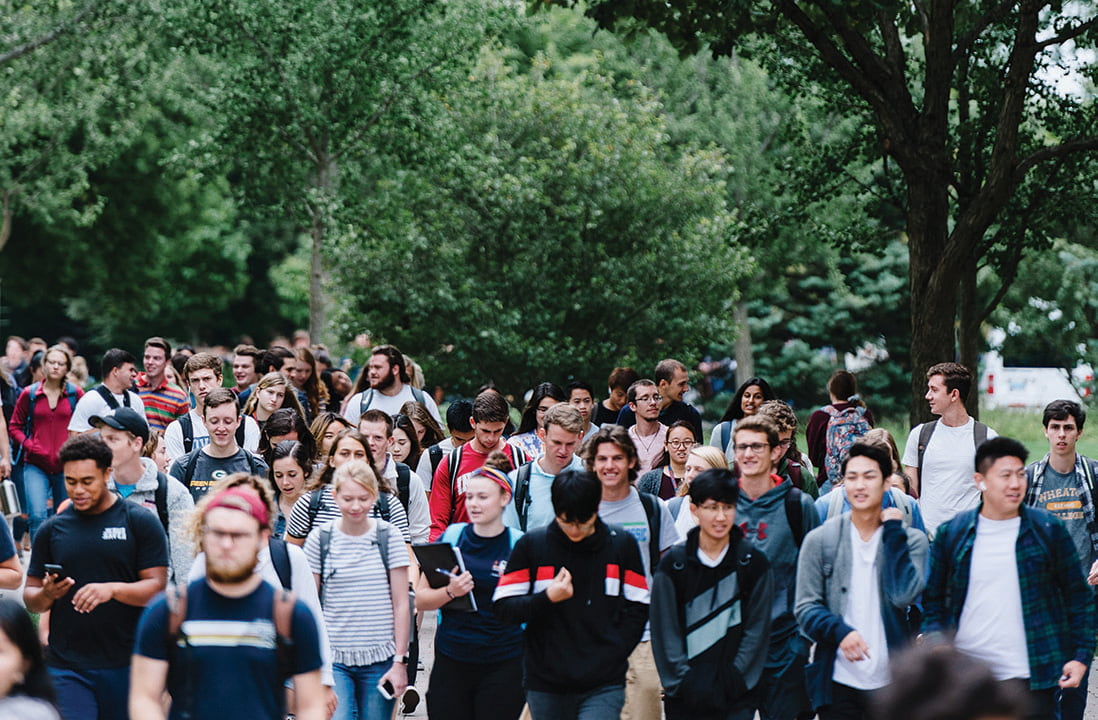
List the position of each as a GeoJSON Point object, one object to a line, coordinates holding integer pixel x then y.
{"type": "Point", "coordinates": [232, 652]}
{"type": "Point", "coordinates": [479, 637]}
{"type": "Point", "coordinates": [7, 544]}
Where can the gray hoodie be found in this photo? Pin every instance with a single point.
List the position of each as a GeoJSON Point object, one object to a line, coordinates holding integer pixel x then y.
{"type": "Point", "coordinates": [180, 505]}
{"type": "Point", "coordinates": [766, 525]}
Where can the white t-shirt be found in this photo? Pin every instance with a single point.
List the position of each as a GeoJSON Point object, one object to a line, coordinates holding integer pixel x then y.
{"type": "Point", "coordinates": [863, 613]}
{"type": "Point", "coordinates": [946, 484]}
{"type": "Point", "coordinates": [92, 403]}
{"type": "Point", "coordinates": [390, 404]}
{"type": "Point", "coordinates": [992, 628]}
{"type": "Point", "coordinates": [173, 435]}
{"type": "Point", "coordinates": [419, 512]}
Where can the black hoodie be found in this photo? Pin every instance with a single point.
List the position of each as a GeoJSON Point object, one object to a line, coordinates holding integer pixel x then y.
{"type": "Point", "coordinates": [584, 642]}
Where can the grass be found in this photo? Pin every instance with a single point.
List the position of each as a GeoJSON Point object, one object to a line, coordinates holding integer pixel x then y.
{"type": "Point", "coordinates": [1022, 425]}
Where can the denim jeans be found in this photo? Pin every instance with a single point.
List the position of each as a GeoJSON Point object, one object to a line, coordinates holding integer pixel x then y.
{"type": "Point", "coordinates": [93, 694]}
{"type": "Point", "coordinates": [40, 485]}
{"type": "Point", "coordinates": [602, 703]}
{"type": "Point", "coordinates": [356, 689]}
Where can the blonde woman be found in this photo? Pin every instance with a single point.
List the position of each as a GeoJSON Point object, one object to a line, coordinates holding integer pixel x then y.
{"type": "Point", "coordinates": [361, 570]}
{"type": "Point", "coordinates": [700, 459]}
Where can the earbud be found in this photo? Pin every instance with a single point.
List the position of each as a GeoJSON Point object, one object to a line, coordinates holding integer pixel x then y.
{"type": "Point", "coordinates": [983, 487]}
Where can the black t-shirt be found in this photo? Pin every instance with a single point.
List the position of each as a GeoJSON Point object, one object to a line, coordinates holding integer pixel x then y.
{"type": "Point", "coordinates": [113, 546]}
{"type": "Point", "coordinates": [677, 410]}
{"type": "Point", "coordinates": [208, 469]}
{"type": "Point", "coordinates": [603, 415]}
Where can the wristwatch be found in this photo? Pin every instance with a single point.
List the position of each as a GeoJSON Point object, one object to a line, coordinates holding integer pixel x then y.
{"type": "Point", "coordinates": [402, 659]}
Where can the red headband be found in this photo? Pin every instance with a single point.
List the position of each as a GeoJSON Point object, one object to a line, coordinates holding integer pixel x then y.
{"type": "Point", "coordinates": [243, 499]}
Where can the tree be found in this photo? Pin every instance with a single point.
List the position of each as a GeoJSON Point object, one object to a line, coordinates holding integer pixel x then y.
{"type": "Point", "coordinates": [963, 98]}
{"type": "Point", "coordinates": [305, 86]}
{"type": "Point", "coordinates": [551, 231]}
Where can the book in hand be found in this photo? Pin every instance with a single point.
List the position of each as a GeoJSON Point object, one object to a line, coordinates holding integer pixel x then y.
{"type": "Point", "coordinates": [436, 562]}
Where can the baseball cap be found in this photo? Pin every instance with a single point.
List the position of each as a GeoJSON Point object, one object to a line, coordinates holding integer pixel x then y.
{"type": "Point", "coordinates": [243, 499]}
{"type": "Point", "coordinates": [124, 418]}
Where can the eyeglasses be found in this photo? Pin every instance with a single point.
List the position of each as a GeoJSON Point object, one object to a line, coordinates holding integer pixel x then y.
{"type": "Point", "coordinates": [717, 507]}
{"type": "Point", "coordinates": [648, 398]}
{"type": "Point", "coordinates": [681, 444]}
{"type": "Point", "coordinates": [218, 536]}
{"type": "Point", "coordinates": [753, 447]}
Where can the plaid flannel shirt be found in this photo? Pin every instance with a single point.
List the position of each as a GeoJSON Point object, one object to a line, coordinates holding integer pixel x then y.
{"type": "Point", "coordinates": [1057, 605]}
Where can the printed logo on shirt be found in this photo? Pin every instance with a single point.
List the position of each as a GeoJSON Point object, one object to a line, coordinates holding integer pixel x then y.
{"type": "Point", "coordinates": [1064, 503]}
{"type": "Point", "coordinates": [499, 568]}
{"type": "Point", "coordinates": [759, 532]}
{"type": "Point", "coordinates": [115, 533]}
{"type": "Point", "coordinates": [639, 530]}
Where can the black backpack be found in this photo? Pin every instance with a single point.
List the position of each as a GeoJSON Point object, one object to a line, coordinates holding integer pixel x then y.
{"type": "Point", "coordinates": [192, 461]}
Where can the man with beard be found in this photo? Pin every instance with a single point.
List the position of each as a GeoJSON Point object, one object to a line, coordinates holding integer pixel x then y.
{"type": "Point", "coordinates": [384, 385]}
{"type": "Point", "coordinates": [95, 564]}
{"type": "Point", "coordinates": [230, 640]}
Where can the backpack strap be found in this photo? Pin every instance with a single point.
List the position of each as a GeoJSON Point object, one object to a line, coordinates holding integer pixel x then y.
{"type": "Point", "coordinates": [726, 435]}
{"type": "Point", "coordinates": [32, 397]}
{"type": "Point", "coordinates": [794, 515]}
{"type": "Point", "coordinates": [253, 463]}
{"type": "Point", "coordinates": [979, 433]}
{"type": "Point", "coordinates": [903, 502]}
{"type": "Point", "coordinates": [284, 613]}
{"type": "Point", "coordinates": [324, 535]}
{"type": "Point", "coordinates": [365, 401]}
{"type": "Point", "coordinates": [70, 393]}
{"type": "Point", "coordinates": [108, 398]}
{"type": "Point", "coordinates": [280, 559]}
{"type": "Point", "coordinates": [453, 533]}
{"type": "Point", "coordinates": [522, 493]}
{"type": "Point", "coordinates": [435, 454]}
{"type": "Point", "coordinates": [192, 461]}
{"type": "Point", "coordinates": [924, 440]}
{"type": "Point", "coordinates": [383, 506]}
{"type": "Point", "coordinates": [419, 395]}
{"type": "Point", "coordinates": [240, 435]}
{"type": "Point", "coordinates": [404, 482]}
{"type": "Point", "coordinates": [652, 511]}
{"type": "Point", "coordinates": [187, 426]}
{"type": "Point", "coordinates": [314, 505]}
{"type": "Point", "coordinates": [176, 598]}
{"type": "Point", "coordinates": [161, 499]}
{"type": "Point", "coordinates": [455, 463]}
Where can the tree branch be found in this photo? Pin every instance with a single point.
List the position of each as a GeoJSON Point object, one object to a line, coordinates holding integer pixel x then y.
{"type": "Point", "coordinates": [1053, 152]}
{"type": "Point", "coordinates": [994, 14]}
{"type": "Point", "coordinates": [48, 37]}
{"type": "Point", "coordinates": [1069, 34]}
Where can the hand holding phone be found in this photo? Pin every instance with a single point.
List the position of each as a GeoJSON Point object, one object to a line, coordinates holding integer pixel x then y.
{"type": "Point", "coordinates": [386, 689]}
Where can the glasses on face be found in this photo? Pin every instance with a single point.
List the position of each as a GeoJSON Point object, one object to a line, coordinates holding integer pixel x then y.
{"type": "Point", "coordinates": [756, 448]}
{"type": "Point", "coordinates": [681, 444]}
{"type": "Point", "coordinates": [218, 536]}
{"type": "Point", "coordinates": [648, 399]}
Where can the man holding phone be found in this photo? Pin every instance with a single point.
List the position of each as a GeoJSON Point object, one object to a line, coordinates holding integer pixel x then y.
{"type": "Point", "coordinates": [94, 565]}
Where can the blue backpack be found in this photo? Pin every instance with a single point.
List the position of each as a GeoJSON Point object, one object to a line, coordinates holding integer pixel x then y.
{"type": "Point", "coordinates": [844, 427]}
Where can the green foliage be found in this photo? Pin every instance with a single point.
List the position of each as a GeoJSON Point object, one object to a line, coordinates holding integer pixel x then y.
{"type": "Point", "coordinates": [543, 240]}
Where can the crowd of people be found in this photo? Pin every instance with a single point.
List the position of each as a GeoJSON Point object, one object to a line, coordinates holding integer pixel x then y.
{"type": "Point", "coordinates": [267, 545]}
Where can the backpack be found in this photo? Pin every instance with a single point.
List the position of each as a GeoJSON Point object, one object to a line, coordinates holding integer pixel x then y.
{"type": "Point", "coordinates": [325, 537]}
{"type": "Point", "coordinates": [187, 426]}
{"type": "Point", "coordinates": [404, 480]}
{"type": "Point", "coordinates": [192, 461]}
{"type": "Point", "coordinates": [522, 493]}
{"type": "Point", "coordinates": [435, 453]}
{"type": "Point", "coordinates": [794, 515]}
{"type": "Point", "coordinates": [367, 398]}
{"type": "Point", "coordinates": [899, 499]}
{"type": "Point", "coordinates": [979, 436]}
{"type": "Point", "coordinates": [32, 397]}
{"type": "Point", "coordinates": [179, 646]}
{"type": "Point", "coordinates": [652, 511]}
{"type": "Point", "coordinates": [726, 434]}
{"type": "Point", "coordinates": [514, 454]}
{"type": "Point", "coordinates": [844, 427]}
{"type": "Point", "coordinates": [108, 397]}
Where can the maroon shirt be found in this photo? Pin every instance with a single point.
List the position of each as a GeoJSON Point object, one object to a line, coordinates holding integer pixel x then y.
{"type": "Point", "coordinates": [49, 427]}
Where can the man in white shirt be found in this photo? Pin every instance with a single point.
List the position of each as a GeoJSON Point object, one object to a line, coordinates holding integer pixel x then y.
{"type": "Point", "coordinates": [648, 434]}
{"type": "Point", "coordinates": [938, 456]}
{"type": "Point", "coordinates": [384, 385]}
{"type": "Point", "coordinates": [119, 372]}
{"type": "Point", "coordinates": [377, 427]}
{"type": "Point", "coordinates": [202, 374]}
{"type": "Point", "coordinates": [1006, 581]}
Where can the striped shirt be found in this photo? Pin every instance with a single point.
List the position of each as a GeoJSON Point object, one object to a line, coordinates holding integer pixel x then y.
{"type": "Point", "coordinates": [357, 601]}
{"type": "Point", "coordinates": [162, 404]}
{"type": "Point", "coordinates": [298, 526]}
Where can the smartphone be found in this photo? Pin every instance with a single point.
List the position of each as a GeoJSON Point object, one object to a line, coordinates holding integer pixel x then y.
{"type": "Point", "coordinates": [53, 569]}
{"type": "Point", "coordinates": [386, 690]}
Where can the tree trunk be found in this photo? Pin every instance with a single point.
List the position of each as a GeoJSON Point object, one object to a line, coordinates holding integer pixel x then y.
{"type": "Point", "coordinates": [933, 286]}
{"type": "Point", "coordinates": [745, 358]}
{"type": "Point", "coordinates": [969, 322]}
{"type": "Point", "coordinates": [324, 181]}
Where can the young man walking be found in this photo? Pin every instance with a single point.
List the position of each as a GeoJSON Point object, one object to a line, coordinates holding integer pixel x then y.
{"type": "Point", "coordinates": [775, 517]}
{"type": "Point", "coordinates": [857, 575]}
{"type": "Point", "coordinates": [1063, 484]}
{"type": "Point", "coordinates": [226, 643]}
{"type": "Point", "coordinates": [202, 467]}
{"type": "Point", "coordinates": [163, 401]}
{"type": "Point", "coordinates": [385, 385]}
{"type": "Point", "coordinates": [648, 433]}
{"type": "Point", "coordinates": [1006, 581]}
{"type": "Point", "coordinates": [114, 392]}
{"type": "Point", "coordinates": [94, 566]}
{"type": "Point", "coordinates": [579, 586]}
{"type": "Point", "coordinates": [938, 455]}
{"type": "Point", "coordinates": [611, 456]}
{"type": "Point", "coordinates": [531, 505]}
{"type": "Point", "coordinates": [711, 599]}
